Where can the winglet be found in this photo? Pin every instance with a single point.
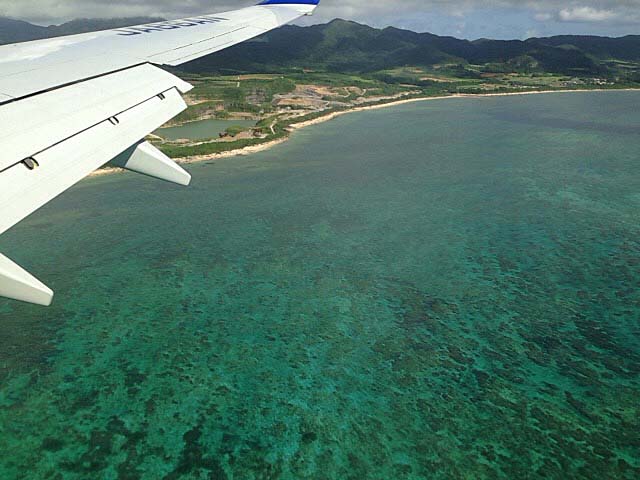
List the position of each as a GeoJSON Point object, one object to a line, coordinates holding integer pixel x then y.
{"type": "Point", "coordinates": [18, 284]}
{"type": "Point", "coordinates": [303, 7]}
{"type": "Point", "coordinates": [146, 159]}
{"type": "Point", "coordinates": [309, 5]}
{"type": "Point", "coordinates": [290, 2]}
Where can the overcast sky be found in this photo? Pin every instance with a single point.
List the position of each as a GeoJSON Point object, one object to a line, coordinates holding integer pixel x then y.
{"type": "Point", "coordinates": [462, 18]}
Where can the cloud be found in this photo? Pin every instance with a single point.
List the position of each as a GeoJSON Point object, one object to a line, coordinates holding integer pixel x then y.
{"type": "Point", "coordinates": [441, 15]}
{"type": "Point", "coordinates": [586, 14]}
{"type": "Point", "coordinates": [60, 10]}
{"type": "Point", "coordinates": [530, 34]}
{"type": "Point", "coordinates": [607, 13]}
{"type": "Point", "coordinates": [543, 17]}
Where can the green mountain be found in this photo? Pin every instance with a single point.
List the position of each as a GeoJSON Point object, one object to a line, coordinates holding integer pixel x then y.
{"type": "Point", "coordinates": [12, 31]}
{"type": "Point", "coordinates": [343, 46]}
{"type": "Point", "coordinates": [17, 31]}
{"type": "Point", "coordinates": [348, 47]}
{"type": "Point", "coordinates": [624, 48]}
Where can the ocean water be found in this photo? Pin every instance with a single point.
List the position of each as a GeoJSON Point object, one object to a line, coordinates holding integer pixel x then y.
{"type": "Point", "coordinates": [441, 290]}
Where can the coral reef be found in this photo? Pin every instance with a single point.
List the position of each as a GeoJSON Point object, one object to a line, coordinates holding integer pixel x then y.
{"type": "Point", "coordinates": [458, 299]}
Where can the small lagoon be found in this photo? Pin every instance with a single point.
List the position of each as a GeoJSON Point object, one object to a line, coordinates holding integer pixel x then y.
{"type": "Point", "coordinates": [201, 129]}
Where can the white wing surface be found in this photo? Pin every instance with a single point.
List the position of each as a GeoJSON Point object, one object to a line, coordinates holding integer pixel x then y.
{"type": "Point", "coordinates": [70, 105]}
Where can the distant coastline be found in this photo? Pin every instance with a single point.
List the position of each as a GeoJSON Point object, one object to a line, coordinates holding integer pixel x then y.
{"type": "Point", "coordinates": [332, 115]}
{"type": "Point", "coordinates": [267, 145]}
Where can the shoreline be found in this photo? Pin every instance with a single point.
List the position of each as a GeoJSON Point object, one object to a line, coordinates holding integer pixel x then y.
{"type": "Point", "coordinates": [330, 116]}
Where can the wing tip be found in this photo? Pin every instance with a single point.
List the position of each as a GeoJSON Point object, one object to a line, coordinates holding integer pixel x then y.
{"type": "Point", "coordinates": [290, 2]}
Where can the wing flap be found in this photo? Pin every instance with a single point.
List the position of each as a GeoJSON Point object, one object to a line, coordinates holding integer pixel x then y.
{"type": "Point", "coordinates": [34, 124]}
{"type": "Point", "coordinates": [22, 191]}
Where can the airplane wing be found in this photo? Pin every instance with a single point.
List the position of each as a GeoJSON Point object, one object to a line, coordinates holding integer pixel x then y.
{"type": "Point", "coordinates": [70, 105]}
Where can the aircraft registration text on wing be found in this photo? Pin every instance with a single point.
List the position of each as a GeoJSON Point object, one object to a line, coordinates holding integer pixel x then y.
{"type": "Point", "coordinates": [69, 105]}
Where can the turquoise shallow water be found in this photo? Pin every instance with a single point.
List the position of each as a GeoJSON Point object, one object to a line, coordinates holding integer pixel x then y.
{"type": "Point", "coordinates": [445, 290]}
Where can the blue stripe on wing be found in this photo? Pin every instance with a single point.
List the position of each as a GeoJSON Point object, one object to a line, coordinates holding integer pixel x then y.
{"type": "Point", "coordinates": [290, 2]}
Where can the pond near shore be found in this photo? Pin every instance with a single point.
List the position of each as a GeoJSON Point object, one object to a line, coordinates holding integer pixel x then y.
{"type": "Point", "coordinates": [201, 129]}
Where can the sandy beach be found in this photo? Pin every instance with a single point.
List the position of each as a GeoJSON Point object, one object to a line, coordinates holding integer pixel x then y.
{"type": "Point", "coordinates": [330, 116]}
